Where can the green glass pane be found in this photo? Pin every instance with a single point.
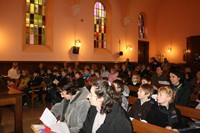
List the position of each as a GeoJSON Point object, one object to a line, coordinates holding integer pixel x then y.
{"type": "Point", "coordinates": [36, 19]}
{"type": "Point", "coordinates": [40, 20]}
{"type": "Point", "coordinates": [40, 2]}
{"type": "Point", "coordinates": [97, 28]}
{"type": "Point", "coordinates": [27, 7]}
{"type": "Point", "coordinates": [27, 18]}
{"type": "Point", "coordinates": [43, 39]}
{"type": "Point", "coordinates": [36, 9]}
{"type": "Point", "coordinates": [31, 30]}
{"type": "Point", "coordinates": [27, 38]}
{"type": "Point", "coordinates": [36, 30]}
{"type": "Point", "coordinates": [43, 10]}
{"type": "Point", "coordinates": [36, 2]}
{"type": "Point", "coordinates": [32, 8]}
{"type": "Point", "coordinates": [35, 39]}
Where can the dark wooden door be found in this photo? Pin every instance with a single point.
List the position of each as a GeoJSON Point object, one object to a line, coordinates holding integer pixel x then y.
{"type": "Point", "coordinates": [143, 52]}
{"type": "Point", "coordinates": [192, 56]}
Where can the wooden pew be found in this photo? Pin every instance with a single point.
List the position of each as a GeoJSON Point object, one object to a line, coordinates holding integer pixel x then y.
{"type": "Point", "coordinates": [185, 111]}
{"type": "Point", "coordinates": [141, 127]}
{"type": "Point", "coordinates": [189, 112]}
{"type": "Point", "coordinates": [133, 88]}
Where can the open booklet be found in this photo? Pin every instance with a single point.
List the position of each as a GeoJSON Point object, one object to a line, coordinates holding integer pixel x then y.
{"type": "Point", "coordinates": [51, 122]}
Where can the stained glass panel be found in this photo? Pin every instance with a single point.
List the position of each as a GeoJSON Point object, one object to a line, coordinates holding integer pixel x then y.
{"type": "Point", "coordinates": [99, 26]}
{"type": "Point", "coordinates": [36, 22]}
{"type": "Point", "coordinates": [141, 31]}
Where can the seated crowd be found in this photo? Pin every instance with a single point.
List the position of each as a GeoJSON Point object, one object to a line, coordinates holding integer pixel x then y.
{"type": "Point", "coordinates": [91, 99]}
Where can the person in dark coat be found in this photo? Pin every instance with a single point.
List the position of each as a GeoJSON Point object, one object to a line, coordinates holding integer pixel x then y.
{"type": "Point", "coordinates": [181, 89]}
{"type": "Point", "coordinates": [143, 105]}
{"type": "Point", "coordinates": [164, 113]}
{"type": "Point", "coordinates": [105, 114]}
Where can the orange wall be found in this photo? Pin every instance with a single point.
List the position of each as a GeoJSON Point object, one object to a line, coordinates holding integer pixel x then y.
{"type": "Point", "coordinates": [65, 27]}
{"type": "Point", "coordinates": [175, 21]}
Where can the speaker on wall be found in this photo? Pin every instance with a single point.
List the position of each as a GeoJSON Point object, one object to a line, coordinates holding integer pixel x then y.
{"type": "Point", "coordinates": [75, 50]}
{"type": "Point", "coordinates": [120, 53]}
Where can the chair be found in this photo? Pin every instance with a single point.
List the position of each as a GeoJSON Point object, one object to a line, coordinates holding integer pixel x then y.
{"type": "Point", "coordinates": [35, 89]}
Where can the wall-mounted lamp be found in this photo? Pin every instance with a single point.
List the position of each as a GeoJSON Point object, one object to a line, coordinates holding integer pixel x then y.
{"type": "Point", "coordinates": [169, 50]}
{"type": "Point", "coordinates": [76, 46]}
{"type": "Point", "coordinates": [129, 47]}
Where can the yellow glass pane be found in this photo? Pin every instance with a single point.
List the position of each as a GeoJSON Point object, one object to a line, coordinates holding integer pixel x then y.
{"type": "Point", "coordinates": [35, 19]}
{"type": "Point", "coordinates": [43, 10]}
{"type": "Point", "coordinates": [31, 25]}
{"type": "Point", "coordinates": [28, 1]}
{"type": "Point", "coordinates": [27, 25]}
{"type": "Point", "coordinates": [40, 2]}
{"type": "Point", "coordinates": [27, 7]}
{"type": "Point", "coordinates": [36, 9]}
{"type": "Point", "coordinates": [32, 8]}
{"type": "Point", "coordinates": [27, 18]}
{"type": "Point", "coordinates": [36, 2]}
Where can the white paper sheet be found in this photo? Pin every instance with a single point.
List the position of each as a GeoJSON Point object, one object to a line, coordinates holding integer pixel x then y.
{"type": "Point", "coordinates": [48, 118]}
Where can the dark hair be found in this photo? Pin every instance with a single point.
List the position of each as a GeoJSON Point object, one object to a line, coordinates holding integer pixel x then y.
{"type": "Point", "coordinates": [103, 89]}
{"type": "Point", "coordinates": [119, 83]}
{"type": "Point", "coordinates": [147, 78]}
{"type": "Point", "coordinates": [70, 88]}
{"type": "Point", "coordinates": [178, 73]}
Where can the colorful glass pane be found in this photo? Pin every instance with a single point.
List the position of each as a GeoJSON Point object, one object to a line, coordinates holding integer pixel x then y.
{"type": "Point", "coordinates": [36, 2]}
{"type": "Point", "coordinates": [99, 26]}
{"type": "Point", "coordinates": [141, 31]}
{"type": "Point", "coordinates": [36, 22]}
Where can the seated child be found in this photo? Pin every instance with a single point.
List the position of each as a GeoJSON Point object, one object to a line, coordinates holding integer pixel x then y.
{"type": "Point", "coordinates": [119, 87]}
{"type": "Point", "coordinates": [164, 113]}
{"type": "Point", "coordinates": [143, 105]}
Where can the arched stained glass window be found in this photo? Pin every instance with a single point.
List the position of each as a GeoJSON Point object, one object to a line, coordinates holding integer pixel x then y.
{"type": "Point", "coordinates": [141, 28]}
{"type": "Point", "coordinates": [36, 22]}
{"type": "Point", "coordinates": [99, 26]}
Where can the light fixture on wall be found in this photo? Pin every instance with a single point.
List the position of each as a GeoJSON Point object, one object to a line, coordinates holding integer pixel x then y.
{"type": "Point", "coordinates": [169, 50]}
{"type": "Point", "coordinates": [129, 47]}
{"type": "Point", "coordinates": [76, 47]}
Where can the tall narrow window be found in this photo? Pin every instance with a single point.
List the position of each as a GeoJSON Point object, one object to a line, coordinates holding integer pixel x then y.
{"type": "Point", "coordinates": [36, 22]}
{"type": "Point", "coordinates": [99, 26]}
{"type": "Point", "coordinates": [141, 28]}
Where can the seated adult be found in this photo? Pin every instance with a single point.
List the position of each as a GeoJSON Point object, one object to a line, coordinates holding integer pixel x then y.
{"type": "Point", "coordinates": [105, 114]}
{"type": "Point", "coordinates": [181, 89]}
{"type": "Point", "coordinates": [74, 106]}
{"type": "Point", "coordinates": [13, 74]}
{"type": "Point", "coordinates": [159, 78]}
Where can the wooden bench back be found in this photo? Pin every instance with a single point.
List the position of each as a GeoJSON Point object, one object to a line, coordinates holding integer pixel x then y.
{"type": "Point", "coordinates": [141, 127]}
{"type": "Point", "coordinates": [185, 111]}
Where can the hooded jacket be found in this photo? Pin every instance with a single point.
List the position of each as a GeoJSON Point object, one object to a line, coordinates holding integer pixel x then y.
{"type": "Point", "coordinates": [74, 111]}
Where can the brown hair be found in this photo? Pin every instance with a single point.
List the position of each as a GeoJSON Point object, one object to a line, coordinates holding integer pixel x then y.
{"type": "Point", "coordinates": [147, 88]}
